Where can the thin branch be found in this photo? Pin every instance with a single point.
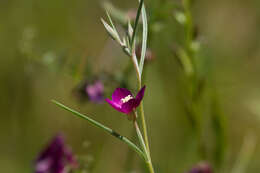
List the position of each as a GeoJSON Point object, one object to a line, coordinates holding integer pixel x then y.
{"type": "Point", "coordinates": [106, 129]}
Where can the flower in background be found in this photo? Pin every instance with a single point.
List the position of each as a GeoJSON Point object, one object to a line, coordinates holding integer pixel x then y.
{"type": "Point", "coordinates": [92, 91]}
{"type": "Point", "coordinates": [124, 101]}
{"type": "Point", "coordinates": [201, 168]}
{"type": "Point", "coordinates": [55, 158]}
{"type": "Point", "coordinates": [95, 91]}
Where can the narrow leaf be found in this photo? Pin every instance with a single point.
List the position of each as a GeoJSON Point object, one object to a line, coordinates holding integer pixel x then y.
{"type": "Point", "coordinates": [136, 21]}
{"type": "Point", "coordinates": [101, 126]}
{"type": "Point", "coordinates": [113, 33]}
{"type": "Point", "coordinates": [144, 41]}
{"type": "Point", "coordinates": [110, 20]}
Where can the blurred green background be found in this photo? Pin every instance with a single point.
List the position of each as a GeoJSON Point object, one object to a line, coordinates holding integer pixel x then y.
{"type": "Point", "coordinates": [44, 43]}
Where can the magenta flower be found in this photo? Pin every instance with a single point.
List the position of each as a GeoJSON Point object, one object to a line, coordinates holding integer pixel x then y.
{"type": "Point", "coordinates": [124, 101]}
{"type": "Point", "coordinates": [55, 157]}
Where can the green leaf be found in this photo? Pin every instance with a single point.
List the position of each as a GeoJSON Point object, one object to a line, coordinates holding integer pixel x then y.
{"type": "Point", "coordinates": [110, 20]}
{"type": "Point", "coordinates": [144, 41]}
{"type": "Point", "coordinates": [136, 21]}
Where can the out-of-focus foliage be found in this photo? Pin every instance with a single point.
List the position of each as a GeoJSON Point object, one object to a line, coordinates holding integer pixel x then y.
{"type": "Point", "coordinates": [48, 47]}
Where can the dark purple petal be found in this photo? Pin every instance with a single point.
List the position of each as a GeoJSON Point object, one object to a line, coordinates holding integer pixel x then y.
{"type": "Point", "coordinates": [114, 105]}
{"type": "Point", "coordinates": [54, 148]}
{"type": "Point", "coordinates": [120, 93]}
{"type": "Point", "coordinates": [139, 96]}
{"type": "Point", "coordinates": [55, 157]}
{"type": "Point", "coordinates": [59, 167]}
{"type": "Point", "coordinates": [128, 106]}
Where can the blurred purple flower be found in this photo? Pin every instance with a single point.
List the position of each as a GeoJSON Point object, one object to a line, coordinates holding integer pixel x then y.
{"type": "Point", "coordinates": [90, 90]}
{"type": "Point", "coordinates": [55, 157]}
{"type": "Point", "coordinates": [124, 101]}
{"type": "Point", "coordinates": [95, 91]}
{"type": "Point", "coordinates": [201, 168]}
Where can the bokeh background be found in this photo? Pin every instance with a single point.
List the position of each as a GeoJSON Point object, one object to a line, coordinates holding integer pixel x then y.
{"type": "Point", "coordinates": [48, 47]}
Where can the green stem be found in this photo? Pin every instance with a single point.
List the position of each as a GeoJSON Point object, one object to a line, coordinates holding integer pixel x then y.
{"type": "Point", "coordinates": [189, 24]}
{"type": "Point", "coordinates": [141, 140]}
{"type": "Point", "coordinates": [144, 127]}
{"type": "Point", "coordinates": [148, 160]}
{"type": "Point", "coordinates": [150, 166]}
{"type": "Point", "coordinates": [134, 60]}
{"type": "Point", "coordinates": [144, 142]}
{"type": "Point", "coordinates": [106, 129]}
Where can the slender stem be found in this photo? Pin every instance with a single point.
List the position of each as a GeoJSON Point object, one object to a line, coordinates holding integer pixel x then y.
{"type": "Point", "coordinates": [134, 60]}
{"type": "Point", "coordinates": [139, 78]}
{"type": "Point", "coordinates": [148, 160]}
{"type": "Point", "coordinates": [105, 128]}
{"type": "Point", "coordinates": [144, 142]}
{"type": "Point", "coordinates": [144, 127]}
{"type": "Point", "coordinates": [141, 140]}
{"type": "Point", "coordinates": [141, 9]}
{"type": "Point", "coordinates": [189, 23]}
{"type": "Point", "coordinates": [150, 166]}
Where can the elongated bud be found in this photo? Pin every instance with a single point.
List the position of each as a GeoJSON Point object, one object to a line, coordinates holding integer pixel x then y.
{"type": "Point", "coordinates": [112, 32]}
{"type": "Point", "coordinates": [130, 29]}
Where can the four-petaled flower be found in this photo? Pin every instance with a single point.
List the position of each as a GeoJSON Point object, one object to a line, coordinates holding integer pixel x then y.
{"type": "Point", "coordinates": [55, 157]}
{"type": "Point", "coordinates": [124, 101]}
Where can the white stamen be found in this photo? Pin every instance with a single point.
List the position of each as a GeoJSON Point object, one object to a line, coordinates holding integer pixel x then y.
{"type": "Point", "coordinates": [126, 99]}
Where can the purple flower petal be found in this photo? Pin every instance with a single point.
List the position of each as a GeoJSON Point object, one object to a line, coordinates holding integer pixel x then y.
{"type": "Point", "coordinates": [54, 148]}
{"type": "Point", "coordinates": [123, 101]}
{"type": "Point", "coordinates": [139, 96]}
{"type": "Point", "coordinates": [114, 105]}
{"type": "Point", "coordinates": [95, 91]}
{"type": "Point", "coordinates": [43, 166]}
{"type": "Point", "coordinates": [55, 157]}
{"type": "Point", "coordinates": [128, 106]}
{"type": "Point", "coordinates": [120, 93]}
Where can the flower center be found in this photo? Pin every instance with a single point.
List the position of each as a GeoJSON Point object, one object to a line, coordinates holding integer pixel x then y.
{"type": "Point", "coordinates": [126, 99]}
